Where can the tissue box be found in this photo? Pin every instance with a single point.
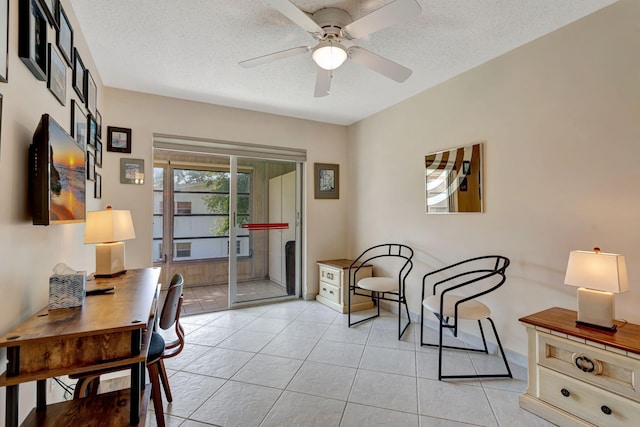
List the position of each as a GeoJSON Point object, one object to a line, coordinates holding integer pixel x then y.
{"type": "Point", "coordinates": [67, 290]}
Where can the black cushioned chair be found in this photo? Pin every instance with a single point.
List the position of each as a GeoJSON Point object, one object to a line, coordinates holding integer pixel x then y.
{"type": "Point", "coordinates": [454, 291]}
{"type": "Point", "coordinates": [382, 288]}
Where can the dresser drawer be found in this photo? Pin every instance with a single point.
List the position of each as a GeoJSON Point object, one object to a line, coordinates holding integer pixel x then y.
{"type": "Point", "coordinates": [597, 366]}
{"type": "Point", "coordinates": [331, 276]}
{"type": "Point", "coordinates": [590, 403]}
{"type": "Point", "coordinates": [330, 292]}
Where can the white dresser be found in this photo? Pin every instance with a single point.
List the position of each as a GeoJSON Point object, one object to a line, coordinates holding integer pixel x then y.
{"type": "Point", "coordinates": [580, 376]}
{"type": "Point", "coordinates": [334, 285]}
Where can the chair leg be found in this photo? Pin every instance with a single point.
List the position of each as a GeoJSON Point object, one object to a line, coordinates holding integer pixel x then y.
{"type": "Point", "coordinates": [156, 394]}
{"type": "Point", "coordinates": [504, 357]}
{"type": "Point", "coordinates": [376, 302]}
{"type": "Point", "coordinates": [86, 386]}
{"type": "Point", "coordinates": [484, 341]}
{"type": "Point", "coordinates": [165, 381]}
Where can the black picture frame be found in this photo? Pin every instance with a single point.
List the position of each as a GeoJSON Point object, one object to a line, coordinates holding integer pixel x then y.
{"type": "Point", "coordinates": [91, 93]}
{"type": "Point", "coordinates": [78, 124]}
{"type": "Point", "coordinates": [118, 139]}
{"type": "Point", "coordinates": [131, 171]}
{"type": "Point", "coordinates": [32, 38]}
{"type": "Point", "coordinates": [99, 121]}
{"type": "Point", "coordinates": [98, 153]}
{"type": "Point", "coordinates": [4, 41]}
{"type": "Point", "coordinates": [91, 166]}
{"type": "Point", "coordinates": [64, 36]}
{"type": "Point", "coordinates": [92, 129]}
{"type": "Point", "coordinates": [97, 187]}
{"type": "Point", "coordinates": [326, 181]}
{"type": "Point", "coordinates": [78, 75]}
{"type": "Point", "coordinates": [57, 81]}
{"type": "Point", "coordinates": [50, 7]}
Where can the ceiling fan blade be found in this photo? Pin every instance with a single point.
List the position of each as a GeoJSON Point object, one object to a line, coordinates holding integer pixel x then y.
{"type": "Point", "coordinates": [391, 14]}
{"type": "Point", "coordinates": [379, 64]}
{"type": "Point", "coordinates": [296, 16]}
{"type": "Point", "coordinates": [274, 56]}
{"type": "Point", "coordinates": [323, 83]}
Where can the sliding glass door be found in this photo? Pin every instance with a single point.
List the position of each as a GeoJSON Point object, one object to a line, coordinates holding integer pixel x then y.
{"type": "Point", "coordinates": [229, 224]}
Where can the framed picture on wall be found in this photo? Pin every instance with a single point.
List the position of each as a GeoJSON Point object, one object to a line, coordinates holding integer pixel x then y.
{"type": "Point", "coordinates": [131, 171]}
{"type": "Point", "coordinates": [98, 186]}
{"type": "Point", "coordinates": [4, 41]}
{"type": "Point", "coordinates": [118, 139]}
{"type": "Point", "coordinates": [50, 7]}
{"type": "Point", "coordinates": [78, 123]}
{"type": "Point", "coordinates": [98, 153]}
{"type": "Point", "coordinates": [91, 92]}
{"type": "Point", "coordinates": [92, 128]}
{"type": "Point", "coordinates": [57, 82]}
{"type": "Point", "coordinates": [91, 166]}
{"type": "Point", "coordinates": [326, 180]}
{"type": "Point", "coordinates": [32, 38]}
{"type": "Point", "coordinates": [64, 38]}
{"type": "Point", "coordinates": [78, 75]}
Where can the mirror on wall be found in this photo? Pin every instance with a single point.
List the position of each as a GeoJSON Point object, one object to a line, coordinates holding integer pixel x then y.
{"type": "Point", "coordinates": [454, 180]}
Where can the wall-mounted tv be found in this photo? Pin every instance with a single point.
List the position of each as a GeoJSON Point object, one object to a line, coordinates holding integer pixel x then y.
{"type": "Point", "coordinates": [56, 175]}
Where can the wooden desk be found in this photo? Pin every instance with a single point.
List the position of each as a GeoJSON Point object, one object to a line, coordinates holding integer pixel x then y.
{"type": "Point", "coordinates": [107, 331]}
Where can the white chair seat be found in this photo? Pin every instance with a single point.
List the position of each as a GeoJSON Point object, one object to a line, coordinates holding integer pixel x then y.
{"type": "Point", "coordinates": [379, 284]}
{"type": "Point", "coordinates": [470, 310]}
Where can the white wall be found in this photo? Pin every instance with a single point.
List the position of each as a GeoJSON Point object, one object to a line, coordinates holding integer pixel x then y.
{"type": "Point", "coordinates": [560, 118]}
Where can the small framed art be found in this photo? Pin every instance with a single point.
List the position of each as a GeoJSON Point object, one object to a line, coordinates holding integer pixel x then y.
{"type": "Point", "coordinates": [327, 181]}
{"type": "Point", "coordinates": [78, 123]}
{"type": "Point", "coordinates": [78, 75]}
{"type": "Point", "coordinates": [32, 38]}
{"type": "Point", "coordinates": [98, 186]}
{"type": "Point", "coordinates": [92, 129]}
{"type": "Point", "coordinates": [4, 41]}
{"type": "Point", "coordinates": [57, 82]}
{"type": "Point", "coordinates": [91, 166]}
{"type": "Point", "coordinates": [118, 139]}
{"type": "Point", "coordinates": [64, 38]}
{"type": "Point", "coordinates": [98, 153]}
{"type": "Point", "coordinates": [131, 171]}
{"type": "Point", "coordinates": [91, 92]}
{"type": "Point", "coordinates": [99, 121]}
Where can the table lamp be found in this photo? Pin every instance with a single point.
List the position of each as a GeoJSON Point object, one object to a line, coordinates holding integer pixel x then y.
{"type": "Point", "coordinates": [108, 228]}
{"type": "Point", "coordinates": [599, 275]}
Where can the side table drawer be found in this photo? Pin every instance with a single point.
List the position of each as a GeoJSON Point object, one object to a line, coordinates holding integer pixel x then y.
{"type": "Point", "coordinates": [330, 292]}
{"type": "Point", "coordinates": [590, 403]}
{"type": "Point", "coordinates": [331, 276]}
{"type": "Point", "coordinates": [599, 367]}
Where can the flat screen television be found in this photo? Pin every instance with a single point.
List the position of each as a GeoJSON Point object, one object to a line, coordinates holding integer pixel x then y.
{"type": "Point", "coordinates": [57, 172]}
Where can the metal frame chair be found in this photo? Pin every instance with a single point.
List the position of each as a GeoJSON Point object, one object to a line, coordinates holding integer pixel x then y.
{"type": "Point", "coordinates": [382, 288]}
{"type": "Point", "coordinates": [446, 306]}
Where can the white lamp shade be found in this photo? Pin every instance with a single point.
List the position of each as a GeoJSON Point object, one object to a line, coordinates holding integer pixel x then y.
{"type": "Point", "coordinates": [108, 226]}
{"type": "Point", "coordinates": [599, 271]}
{"type": "Point", "coordinates": [329, 55]}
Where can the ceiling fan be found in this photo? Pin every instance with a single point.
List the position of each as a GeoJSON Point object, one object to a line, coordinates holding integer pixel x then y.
{"type": "Point", "coordinates": [331, 27]}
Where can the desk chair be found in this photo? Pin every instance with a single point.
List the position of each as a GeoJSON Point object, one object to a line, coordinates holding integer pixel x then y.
{"type": "Point", "coordinates": [382, 288]}
{"type": "Point", "coordinates": [473, 278]}
{"type": "Point", "coordinates": [158, 351]}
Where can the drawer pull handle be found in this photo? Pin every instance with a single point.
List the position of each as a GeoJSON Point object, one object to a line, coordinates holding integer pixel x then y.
{"type": "Point", "coordinates": [330, 276]}
{"type": "Point", "coordinates": [331, 292]}
{"type": "Point", "coordinates": [606, 409]}
{"type": "Point", "coordinates": [565, 392]}
{"type": "Point", "coordinates": [585, 364]}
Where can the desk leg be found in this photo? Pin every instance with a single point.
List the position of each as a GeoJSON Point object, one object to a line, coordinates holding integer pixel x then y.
{"type": "Point", "coordinates": [11, 413]}
{"type": "Point", "coordinates": [41, 395]}
{"type": "Point", "coordinates": [136, 376]}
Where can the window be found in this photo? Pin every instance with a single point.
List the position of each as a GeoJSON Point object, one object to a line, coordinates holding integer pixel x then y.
{"type": "Point", "coordinates": [183, 250]}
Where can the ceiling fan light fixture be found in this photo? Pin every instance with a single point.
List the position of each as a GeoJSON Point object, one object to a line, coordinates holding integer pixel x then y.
{"type": "Point", "coordinates": [329, 55]}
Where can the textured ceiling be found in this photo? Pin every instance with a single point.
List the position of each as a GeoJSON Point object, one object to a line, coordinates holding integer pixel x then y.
{"type": "Point", "coordinates": [191, 48]}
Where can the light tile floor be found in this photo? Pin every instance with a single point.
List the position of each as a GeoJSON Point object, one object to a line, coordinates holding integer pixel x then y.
{"type": "Point", "coordinates": [297, 364]}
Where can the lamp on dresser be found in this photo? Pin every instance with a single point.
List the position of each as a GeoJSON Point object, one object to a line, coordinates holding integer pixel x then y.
{"type": "Point", "coordinates": [108, 229]}
{"type": "Point", "coordinates": [599, 276]}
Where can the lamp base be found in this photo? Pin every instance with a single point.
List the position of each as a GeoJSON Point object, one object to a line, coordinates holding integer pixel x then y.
{"type": "Point", "coordinates": [612, 329]}
{"type": "Point", "coordinates": [109, 259]}
{"type": "Point", "coordinates": [596, 309]}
